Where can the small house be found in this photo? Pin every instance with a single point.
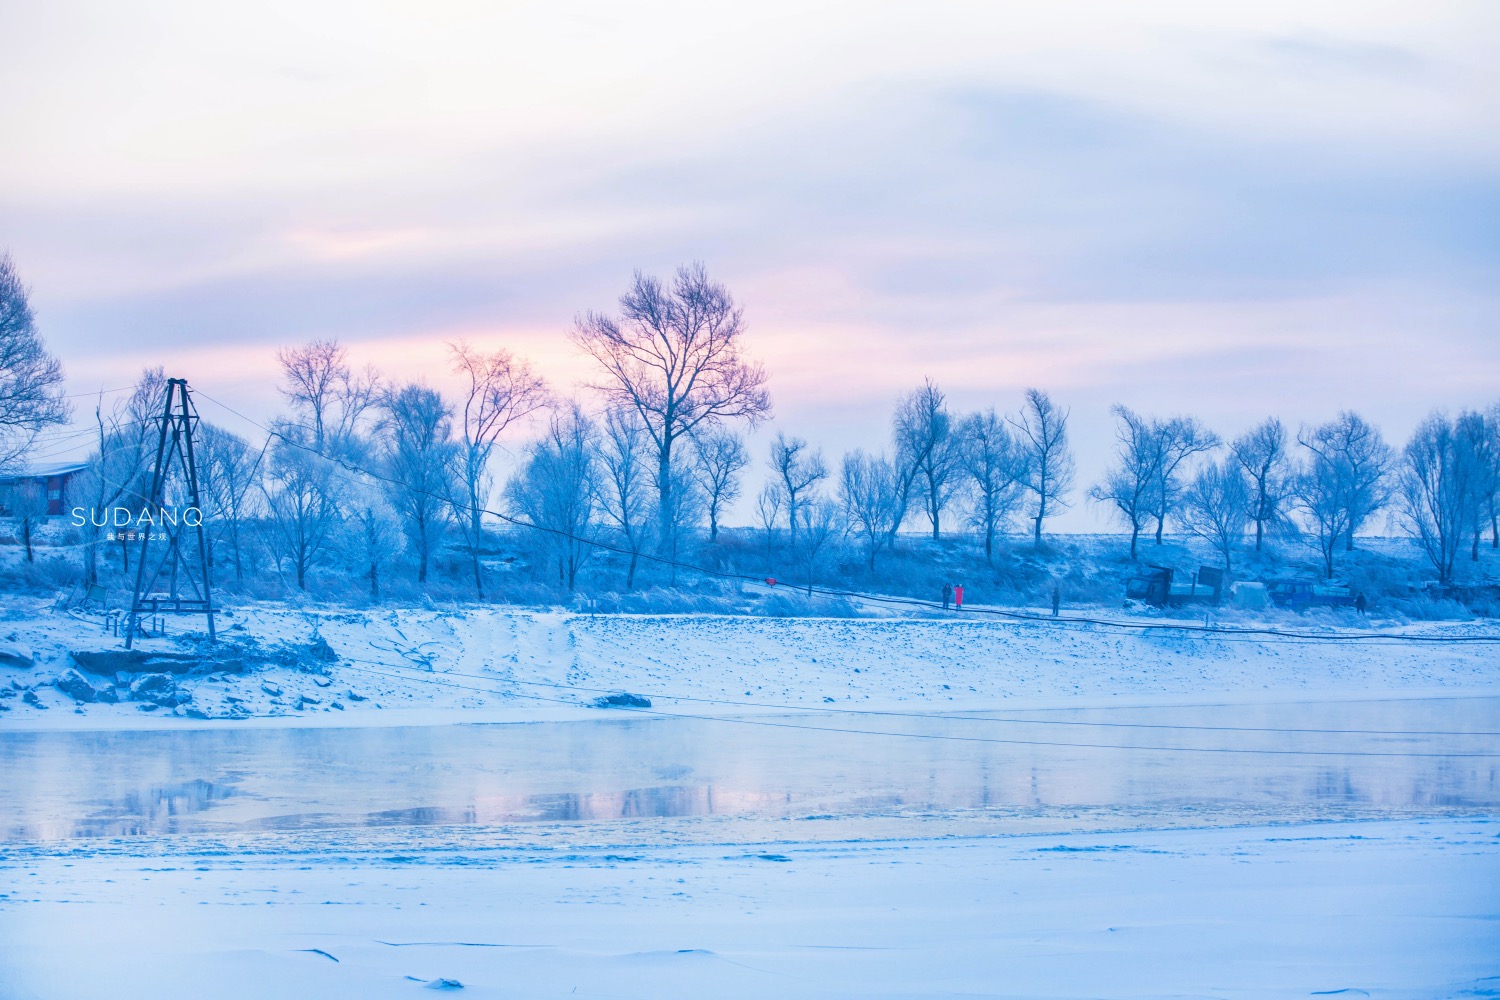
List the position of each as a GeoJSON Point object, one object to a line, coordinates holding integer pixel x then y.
{"type": "Point", "coordinates": [53, 479]}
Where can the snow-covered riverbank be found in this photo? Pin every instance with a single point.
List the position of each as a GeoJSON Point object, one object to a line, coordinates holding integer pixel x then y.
{"type": "Point", "coordinates": [422, 667]}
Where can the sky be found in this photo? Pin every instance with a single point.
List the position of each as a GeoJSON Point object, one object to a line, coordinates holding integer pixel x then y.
{"type": "Point", "coordinates": [1228, 210]}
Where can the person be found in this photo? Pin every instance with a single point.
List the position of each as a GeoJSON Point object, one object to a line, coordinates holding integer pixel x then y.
{"type": "Point", "coordinates": [947, 595]}
{"type": "Point", "coordinates": [1360, 604]}
{"type": "Point", "coordinates": [958, 597]}
{"type": "Point", "coordinates": [1056, 600]}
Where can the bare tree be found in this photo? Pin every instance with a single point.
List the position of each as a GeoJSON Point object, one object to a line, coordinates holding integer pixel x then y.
{"type": "Point", "coordinates": [683, 511]}
{"type": "Point", "coordinates": [721, 458]}
{"type": "Point", "coordinates": [369, 524]}
{"type": "Point", "coordinates": [328, 398]}
{"type": "Point", "coordinates": [1131, 484]}
{"type": "Point", "coordinates": [557, 491]}
{"type": "Point", "coordinates": [28, 508]}
{"type": "Point", "coordinates": [821, 527]}
{"type": "Point", "coordinates": [874, 503]}
{"type": "Point", "coordinates": [31, 380]}
{"type": "Point", "coordinates": [798, 471]}
{"type": "Point", "coordinates": [1215, 507]}
{"type": "Point", "coordinates": [303, 491]}
{"type": "Point", "coordinates": [674, 357]}
{"type": "Point", "coordinates": [927, 448]}
{"type": "Point", "coordinates": [1441, 483]}
{"type": "Point", "coordinates": [768, 505]}
{"type": "Point", "coordinates": [1319, 495]}
{"type": "Point", "coordinates": [995, 467]}
{"type": "Point", "coordinates": [418, 459]}
{"type": "Point", "coordinates": [1354, 454]}
{"type": "Point", "coordinates": [1482, 433]}
{"type": "Point", "coordinates": [502, 389]}
{"type": "Point", "coordinates": [1261, 454]}
{"type": "Point", "coordinates": [119, 467]}
{"type": "Point", "coordinates": [626, 495]}
{"type": "Point", "coordinates": [1179, 439]}
{"type": "Point", "coordinates": [1049, 468]}
{"type": "Point", "coordinates": [227, 469]}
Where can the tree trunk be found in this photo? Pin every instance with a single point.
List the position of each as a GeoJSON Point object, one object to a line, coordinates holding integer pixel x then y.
{"type": "Point", "coordinates": [478, 579]}
{"type": "Point", "coordinates": [1161, 524]}
{"type": "Point", "coordinates": [374, 580]}
{"type": "Point", "coordinates": [1260, 527]}
{"type": "Point", "coordinates": [26, 536]}
{"type": "Point", "coordinates": [1135, 534]}
{"type": "Point", "coordinates": [713, 525]}
{"type": "Point", "coordinates": [664, 494]}
{"type": "Point", "coordinates": [630, 573]}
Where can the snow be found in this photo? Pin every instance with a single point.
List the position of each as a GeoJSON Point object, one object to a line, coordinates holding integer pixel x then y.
{"type": "Point", "coordinates": [1386, 909]}
{"type": "Point", "coordinates": [496, 664]}
{"type": "Point", "coordinates": [841, 866]}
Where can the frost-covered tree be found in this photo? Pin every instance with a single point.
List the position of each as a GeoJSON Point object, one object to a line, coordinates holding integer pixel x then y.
{"type": "Point", "coordinates": [874, 503]}
{"type": "Point", "coordinates": [1043, 435]}
{"type": "Point", "coordinates": [768, 506]}
{"type": "Point", "coordinates": [227, 475]}
{"type": "Point", "coordinates": [927, 449]}
{"type": "Point", "coordinates": [721, 458]}
{"type": "Point", "coordinates": [1441, 486]}
{"type": "Point", "coordinates": [1261, 454]}
{"type": "Point", "coordinates": [1130, 485]}
{"type": "Point", "coordinates": [1483, 433]}
{"type": "Point", "coordinates": [119, 468]}
{"type": "Point", "coordinates": [417, 459]}
{"type": "Point", "coordinates": [303, 491]}
{"type": "Point", "coordinates": [31, 380]}
{"type": "Point", "coordinates": [798, 469]}
{"type": "Point", "coordinates": [499, 390]}
{"type": "Point", "coordinates": [1178, 440]}
{"type": "Point", "coordinates": [328, 398]}
{"type": "Point", "coordinates": [821, 527]}
{"type": "Point", "coordinates": [1215, 507]}
{"type": "Point", "coordinates": [557, 489]}
{"type": "Point", "coordinates": [627, 495]}
{"type": "Point", "coordinates": [1356, 460]}
{"type": "Point", "coordinates": [674, 356]}
{"type": "Point", "coordinates": [1319, 497]}
{"type": "Point", "coordinates": [28, 508]}
{"type": "Point", "coordinates": [994, 468]}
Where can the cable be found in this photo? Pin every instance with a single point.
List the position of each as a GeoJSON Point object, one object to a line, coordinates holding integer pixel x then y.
{"type": "Point", "coordinates": [1052, 621]}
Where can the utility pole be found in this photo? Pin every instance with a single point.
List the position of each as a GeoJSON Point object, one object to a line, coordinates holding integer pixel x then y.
{"type": "Point", "coordinates": [179, 582]}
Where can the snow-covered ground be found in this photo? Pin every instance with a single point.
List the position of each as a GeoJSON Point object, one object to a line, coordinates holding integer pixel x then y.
{"type": "Point", "coordinates": [413, 666]}
{"type": "Point", "coordinates": [237, 848]}
{"type": "Point", "coordinates": [1387, 910]}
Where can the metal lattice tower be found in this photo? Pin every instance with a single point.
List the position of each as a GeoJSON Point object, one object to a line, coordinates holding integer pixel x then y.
{"type": "Point", "coordinates": [179, 581]}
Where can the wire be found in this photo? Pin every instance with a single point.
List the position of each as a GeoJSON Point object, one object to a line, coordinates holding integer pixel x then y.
{"type": "Point", "coordinates": [1051, 621]}
{"type": "Point", "coordinates": [100, 392]}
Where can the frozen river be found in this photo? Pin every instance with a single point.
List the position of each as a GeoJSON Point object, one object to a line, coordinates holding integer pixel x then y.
{"type": "Point", "coordinates": [1272, 763]}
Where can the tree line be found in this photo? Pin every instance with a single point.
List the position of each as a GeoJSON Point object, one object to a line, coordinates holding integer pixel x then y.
{"type": "Point", "coordinates": [649, 471]}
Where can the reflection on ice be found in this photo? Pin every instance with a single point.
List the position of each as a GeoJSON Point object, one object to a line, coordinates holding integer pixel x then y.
{"type": "Point", "coordinates": [63, 785]}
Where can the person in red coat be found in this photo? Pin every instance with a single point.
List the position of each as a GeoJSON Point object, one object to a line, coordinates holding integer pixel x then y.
{"type": "Point", "coordinates": [958, 597]}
